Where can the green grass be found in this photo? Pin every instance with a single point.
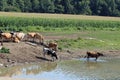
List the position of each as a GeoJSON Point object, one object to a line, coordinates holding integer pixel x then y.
{"type": "Point", "coordinates": [55, 22]}
{"type": "Point", "coordinates": [4, 50]}
{"type": "Point", "coordinates": [103, 40]}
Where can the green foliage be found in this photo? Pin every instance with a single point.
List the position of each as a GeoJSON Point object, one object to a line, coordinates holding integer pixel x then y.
{"type": "Point", "coordinates": [11, 8]}
{"type": "Point", "coordinates": [49, 24]}
{"type": "Point", "coordinates": [4, 50]}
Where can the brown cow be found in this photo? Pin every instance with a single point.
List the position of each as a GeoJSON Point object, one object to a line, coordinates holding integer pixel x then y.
{"type": "Point", "coordinates": [53, 45]}
{"type": "Point", "coordinates": [6, 36]}
{"type": "Point", "coordinates": [93, 54]}
{"type": "Point", "coordinates": [31, 35]}
{"type": "Point", "coordinates": [39, 37]}
{"type": "Point", "coordinates": [9, 36]}
{"type": "Point", "coordinates": [15, 39]}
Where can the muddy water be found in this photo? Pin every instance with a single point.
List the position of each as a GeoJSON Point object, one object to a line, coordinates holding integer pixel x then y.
{"type": "Point", "coordinates": [107, 69]}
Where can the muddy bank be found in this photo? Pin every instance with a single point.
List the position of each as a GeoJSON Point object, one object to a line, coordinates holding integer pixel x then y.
{"type": "Point", "coordinates": [26, 52]}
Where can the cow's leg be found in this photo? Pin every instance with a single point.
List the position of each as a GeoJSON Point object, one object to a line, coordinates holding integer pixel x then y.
{"type": "Point", "coordinates": [52, 57]}
{"type": "Point", "coordinates": [87, 58]}
{"type": "Point", "coordinates": [96, 58]}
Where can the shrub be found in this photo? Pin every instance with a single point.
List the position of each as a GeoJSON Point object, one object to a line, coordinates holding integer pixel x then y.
{"type": "Point", "coordinates": [4, 50]}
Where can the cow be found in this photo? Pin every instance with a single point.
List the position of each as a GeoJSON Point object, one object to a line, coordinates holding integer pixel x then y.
{"type": "Point", "coordinates": [16, 40]}
{"type": "Point", "coordinates": [50, 52]}
{"type": "Point", "coordinates": [9, 36]}
{"type": "Point", "coordinates": [39, 37]}
{"type": "Point", "coordinates": [93, 54]}
{"type": "Point", "coordinates": [53, 45]}
{"type": "Point", "coordinates": [19, 35]}
{"type": "Point", "coordinates": [6, 36]}
{"type": "Point", "coordinates": [30, 35]}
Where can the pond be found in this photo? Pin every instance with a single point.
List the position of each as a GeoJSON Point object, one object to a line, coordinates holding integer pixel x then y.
{"type": "Point", "coordinates": [80, 69]}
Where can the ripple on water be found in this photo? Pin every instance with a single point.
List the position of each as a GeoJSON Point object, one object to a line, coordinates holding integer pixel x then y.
{"type": "Point", "coordinates": [93, 60]}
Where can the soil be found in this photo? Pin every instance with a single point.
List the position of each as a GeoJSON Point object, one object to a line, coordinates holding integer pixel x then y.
{"type": "Point", "coordinates": [28, 52]}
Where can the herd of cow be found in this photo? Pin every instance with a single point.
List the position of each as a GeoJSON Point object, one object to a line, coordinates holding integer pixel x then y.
{"type": "Point", "coordinates": [19, 36]}
{"type": "Point", "coordinates": [49, 49]}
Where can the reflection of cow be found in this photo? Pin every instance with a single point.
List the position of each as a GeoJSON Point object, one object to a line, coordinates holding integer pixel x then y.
{"type": "Point", "coordinates": [93, 54]}
{"type": "Point", "coordinates": [53, 45]}
{"type": "Point", "coordinates": [50, 52]}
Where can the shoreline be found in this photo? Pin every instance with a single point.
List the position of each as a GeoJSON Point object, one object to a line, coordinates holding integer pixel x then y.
{"type": "Point", "coordinates": [24, 53]}
{"type": "Point", "coordinates": [64, 55]}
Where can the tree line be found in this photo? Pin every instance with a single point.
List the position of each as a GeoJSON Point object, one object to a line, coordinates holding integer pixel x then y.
{"type": "Point", "coordinates": [85, 7]}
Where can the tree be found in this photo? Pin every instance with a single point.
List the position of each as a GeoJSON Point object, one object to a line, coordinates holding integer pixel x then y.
{"type": "Point", "coordinates": [27, 5]}
{"type": "Point", "coordinates": [59, 8]}
{"type": "Point", "coordinates": [96, 6]}
{"type": "Point", "coordinates": [3, 4]}
{"type": "Point", "coordinates": [47, 6]}
{"type": "Point", "coordinates": [12, 6]}
{"type": "Point", "coordinates": [68, 7]}
{"type": "Point", "coordinates": [35, 5]}
{"type": "Point", "coordinates": [11, 2]}
{"type": "Point", "coordinates": [84, 7]}
{"type": "Point", "coordinates": [20, 5]}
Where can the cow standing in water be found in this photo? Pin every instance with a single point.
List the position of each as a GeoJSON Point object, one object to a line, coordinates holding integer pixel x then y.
{"type": "Point", "coordinates": [92, 54]}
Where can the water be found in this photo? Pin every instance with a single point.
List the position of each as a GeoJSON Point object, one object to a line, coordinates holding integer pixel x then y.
{"type": "Point", "coordinates": [80, 69]}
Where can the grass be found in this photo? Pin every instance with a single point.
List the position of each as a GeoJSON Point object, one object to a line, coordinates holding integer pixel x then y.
{"type": "Point", "coordinates": [103, 40]}
{"type": "Point", "coordinates": [4, 50]}
{"type": "Point", "coordinates": [55, 22]}
{"type": "Point", "coordinates": [57, 16]}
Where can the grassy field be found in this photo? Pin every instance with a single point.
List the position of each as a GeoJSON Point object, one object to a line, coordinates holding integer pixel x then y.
{"type": "Point", "coordinates": [90, 40]}
{"type": "Point", "coordinates": [56, 22]}
{"type": "Point", "coordinates": [93, 32]}
{"type": "Point", "coordinates": [57, 16]}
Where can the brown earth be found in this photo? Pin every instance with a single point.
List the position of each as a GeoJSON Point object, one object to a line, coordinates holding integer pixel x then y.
{"type": "Point", "coordinates": [27, 52]}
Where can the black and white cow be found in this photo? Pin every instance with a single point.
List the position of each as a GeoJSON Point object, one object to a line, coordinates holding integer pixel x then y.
{"type": "Point", "coordinates": [52, 53]}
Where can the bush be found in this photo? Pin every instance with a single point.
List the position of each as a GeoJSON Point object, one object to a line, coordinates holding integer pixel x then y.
{"type": "Point", "coordinates": [12, 8]}
{"type": "Point", "coordinates": [4, 50]}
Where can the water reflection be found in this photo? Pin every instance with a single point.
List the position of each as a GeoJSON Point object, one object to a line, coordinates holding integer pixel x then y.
{"type": "Point", "coordinates": [27, 69]}
{"type": "Point", "coordinates": [92, 65]}
{"type": "Point", "coordinates": [67, 70]}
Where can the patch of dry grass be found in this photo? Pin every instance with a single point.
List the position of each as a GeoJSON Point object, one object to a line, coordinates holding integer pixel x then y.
{"type": "Point", "coordinates": [58, 16]}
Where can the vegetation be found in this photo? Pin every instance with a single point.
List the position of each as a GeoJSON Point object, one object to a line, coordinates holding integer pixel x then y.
{"type": "Point", "coordinates": [92, 40]}
{"type": "Point", "coordinates": [4, 50]}
{"type": "Point", "coordinates": [24, 22]}
{"type": "Point", "coordinates": [86, 7]}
